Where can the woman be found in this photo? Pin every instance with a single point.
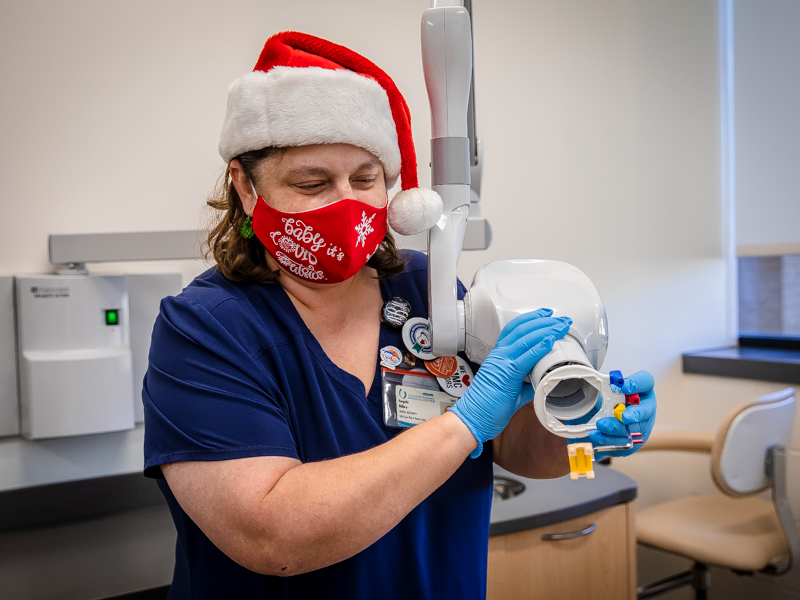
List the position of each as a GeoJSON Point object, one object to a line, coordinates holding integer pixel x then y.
{"type": "Point", "coordinates": [263, 400]}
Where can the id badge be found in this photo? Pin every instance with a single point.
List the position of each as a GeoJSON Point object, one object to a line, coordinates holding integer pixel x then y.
{"type": "Point", "coordinates": [411, 396]}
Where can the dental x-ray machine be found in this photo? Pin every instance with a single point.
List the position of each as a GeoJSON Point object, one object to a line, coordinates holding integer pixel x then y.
{"type": "Point", "coordinates": [567, 383]}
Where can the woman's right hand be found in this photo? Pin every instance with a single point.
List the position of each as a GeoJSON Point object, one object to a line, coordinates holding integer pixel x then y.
{"type": "Point", "coordinates": [494, 395]}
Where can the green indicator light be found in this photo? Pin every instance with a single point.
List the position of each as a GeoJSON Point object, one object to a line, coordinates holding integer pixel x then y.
{"type": "Point", "coordinates": [112, 317]}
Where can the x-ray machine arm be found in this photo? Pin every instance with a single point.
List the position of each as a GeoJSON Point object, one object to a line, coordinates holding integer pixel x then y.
{"type": "Point", "coordinates": [447, 63]}
{"type": "Point", "coordinates": [566, 381]}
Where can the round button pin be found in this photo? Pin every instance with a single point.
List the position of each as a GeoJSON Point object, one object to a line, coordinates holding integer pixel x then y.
{"type": "Point", "coordinates": [390, 356]}
{"type": "Point", "coordinates": [417, 338]}
{"type": "Point", "coordinates": [444, 366]}
{"type": "Point", "coordinates": [395, 312]}
{"type": "Point", "coordinates": [458, 383]}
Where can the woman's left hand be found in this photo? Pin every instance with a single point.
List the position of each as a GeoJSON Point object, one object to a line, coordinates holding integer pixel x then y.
{"type": "Point", "coordinates": [635, 419]}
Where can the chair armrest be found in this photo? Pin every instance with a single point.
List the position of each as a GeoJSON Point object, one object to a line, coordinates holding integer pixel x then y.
{"type": "Point", "coordinates": [679, 439]}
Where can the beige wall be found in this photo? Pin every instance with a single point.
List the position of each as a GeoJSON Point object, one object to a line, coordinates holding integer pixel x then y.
{"type": "Point", "coordinates": [600, 122]}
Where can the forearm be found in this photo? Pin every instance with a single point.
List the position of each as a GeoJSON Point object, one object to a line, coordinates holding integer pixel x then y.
{"type": "Point", "coordinates": [527, 449]}
{"type": "Point", "coordinates": [320, 513]}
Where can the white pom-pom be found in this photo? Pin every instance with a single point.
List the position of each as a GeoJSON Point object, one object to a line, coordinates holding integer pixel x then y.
{"type": "Point", "coordinates": [414, 211]}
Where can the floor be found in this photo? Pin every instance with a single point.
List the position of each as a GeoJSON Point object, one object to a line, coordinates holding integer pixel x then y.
{"type": "Point", "coordinates": [725, 585]}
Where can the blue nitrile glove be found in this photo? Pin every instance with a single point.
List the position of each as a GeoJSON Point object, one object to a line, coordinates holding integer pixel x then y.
{"type": "Point", "coordinates": [494, 395]}
{"type": "Point", "coordinates": [638, 418]}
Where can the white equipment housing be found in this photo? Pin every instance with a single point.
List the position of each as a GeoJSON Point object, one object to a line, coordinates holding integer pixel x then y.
{"type": "Point", "coordinates": [566, 380]}
{"type": "Point", "coordinates": [74, 355]}
{"type": "Point", "coordinates": [503, 290]}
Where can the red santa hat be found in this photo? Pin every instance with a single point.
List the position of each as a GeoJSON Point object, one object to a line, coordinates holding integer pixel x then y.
{"type": "Point", "coordinates": [306, 90]}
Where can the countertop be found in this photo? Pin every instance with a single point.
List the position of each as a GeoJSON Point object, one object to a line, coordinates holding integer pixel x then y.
{"type": "Point", "coordinates": [89, 559]}
{"type": "Point", "coordinates": [763, 364]}
{"type": "Point", "coordinates": [549, 501]}
{"type": "Point", "coordinates": [133, 550]}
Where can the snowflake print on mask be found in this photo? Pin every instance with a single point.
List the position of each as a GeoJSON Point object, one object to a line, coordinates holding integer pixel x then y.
{"type": "Point", "coordinates": [364, 228]}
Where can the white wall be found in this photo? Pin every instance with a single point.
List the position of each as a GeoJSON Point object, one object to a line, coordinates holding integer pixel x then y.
{"type": "Point", "coordinates": [600, 124]}
{"type": "Point", "coordinates": [112, 110]}
{"type": "Point", "coordinates": [768, 122]}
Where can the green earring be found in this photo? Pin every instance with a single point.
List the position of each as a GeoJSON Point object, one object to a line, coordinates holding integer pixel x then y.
{"type": "Point", "coordinates": [247, 228]}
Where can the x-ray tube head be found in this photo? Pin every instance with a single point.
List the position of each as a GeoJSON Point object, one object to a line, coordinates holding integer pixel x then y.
{"type": "Point", "coordinates": [567, 382]}
{"type": "Point", "coordinates": [505, 289]}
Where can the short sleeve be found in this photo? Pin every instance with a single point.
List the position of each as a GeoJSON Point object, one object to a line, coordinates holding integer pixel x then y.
{"type": "Point", "coordinates": [206, 397]}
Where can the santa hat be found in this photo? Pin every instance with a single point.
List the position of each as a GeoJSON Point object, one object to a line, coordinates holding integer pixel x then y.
{"type": "Point", "coordinates": [305, 90]}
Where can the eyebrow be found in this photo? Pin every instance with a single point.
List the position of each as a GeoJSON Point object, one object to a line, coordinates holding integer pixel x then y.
{"type": "Point", "coordinates": [322, 172]}
{"type": "Point", "coordinates": [370, 164]}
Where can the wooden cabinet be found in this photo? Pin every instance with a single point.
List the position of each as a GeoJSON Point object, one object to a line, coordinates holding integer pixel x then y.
{"type": "Point", "coordinates": [600, 565]}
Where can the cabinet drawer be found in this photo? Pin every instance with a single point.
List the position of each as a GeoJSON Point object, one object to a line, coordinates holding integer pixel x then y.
{"type": "Point", "coordinates": [598, 564]}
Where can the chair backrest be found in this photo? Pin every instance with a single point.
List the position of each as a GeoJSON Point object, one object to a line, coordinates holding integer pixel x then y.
{"type": "Point", "coordinates": [740, 447]}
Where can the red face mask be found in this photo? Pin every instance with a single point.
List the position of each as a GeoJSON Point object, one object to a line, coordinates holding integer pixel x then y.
{"type": "Point", "coordinates": [328, 244]}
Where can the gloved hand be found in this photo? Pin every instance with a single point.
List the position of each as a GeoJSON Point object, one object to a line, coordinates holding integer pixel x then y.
{"type": "Point", "coordinates": [494, 395]}
{"type": "Point", "coordinates": [639, 418]}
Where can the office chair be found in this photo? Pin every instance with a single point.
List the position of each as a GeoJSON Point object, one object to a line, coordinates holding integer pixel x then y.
{"type": "Point", "coordinates": [734, 529]}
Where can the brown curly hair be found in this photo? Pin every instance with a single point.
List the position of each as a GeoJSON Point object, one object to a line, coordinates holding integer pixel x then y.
{"type": "Point", "coordinates": [244, 260]}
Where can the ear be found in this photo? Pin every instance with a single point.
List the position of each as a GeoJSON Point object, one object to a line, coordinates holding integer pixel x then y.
{"type": "Point", "coordinates": [243, 187]}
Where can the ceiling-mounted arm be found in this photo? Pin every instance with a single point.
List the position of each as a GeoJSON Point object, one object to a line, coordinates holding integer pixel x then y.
{"type": "Point", "coordinates": [471, 132]}
{"type": "Point", "coordinates": [475, 148]}
{"type": "Point", "coordinates": [447, 63]}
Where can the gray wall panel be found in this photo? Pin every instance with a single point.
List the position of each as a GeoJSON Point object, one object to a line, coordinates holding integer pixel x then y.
{"type": "Point", "coordinates": [145, 292]}
{"type": "Point", "coordinates": [9, 402]}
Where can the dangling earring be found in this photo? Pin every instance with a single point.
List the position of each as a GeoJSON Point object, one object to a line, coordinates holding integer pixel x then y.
{"type": "Point", "coordinates": [247, 228]}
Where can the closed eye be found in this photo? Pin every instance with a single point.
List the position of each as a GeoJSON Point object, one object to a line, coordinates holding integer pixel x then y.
{"type": "Point", "coordinates": [366, 180]}
{"type": "Point", "coordinates": [310, 187]}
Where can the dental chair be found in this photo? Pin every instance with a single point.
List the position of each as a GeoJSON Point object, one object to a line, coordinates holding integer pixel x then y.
{"type": "Point", "coordinates": [735, 529]}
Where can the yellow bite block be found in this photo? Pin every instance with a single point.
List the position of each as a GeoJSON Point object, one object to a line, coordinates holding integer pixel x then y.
{"type": "Point", "coordinates": [580, 460]}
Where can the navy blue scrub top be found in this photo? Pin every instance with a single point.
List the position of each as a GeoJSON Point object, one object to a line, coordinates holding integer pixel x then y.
{"type": "Point", "coordinates": [234, 372]}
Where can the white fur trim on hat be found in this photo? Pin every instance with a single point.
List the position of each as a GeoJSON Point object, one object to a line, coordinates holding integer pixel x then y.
{"type": "Point", "coordinates": [414, 211]}
{"type": "Point", "coordinates": [294, 106]}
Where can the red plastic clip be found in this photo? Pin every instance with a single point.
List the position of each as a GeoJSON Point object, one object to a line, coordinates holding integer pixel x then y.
{"type": "Point", "coordinates": [632, 399]}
